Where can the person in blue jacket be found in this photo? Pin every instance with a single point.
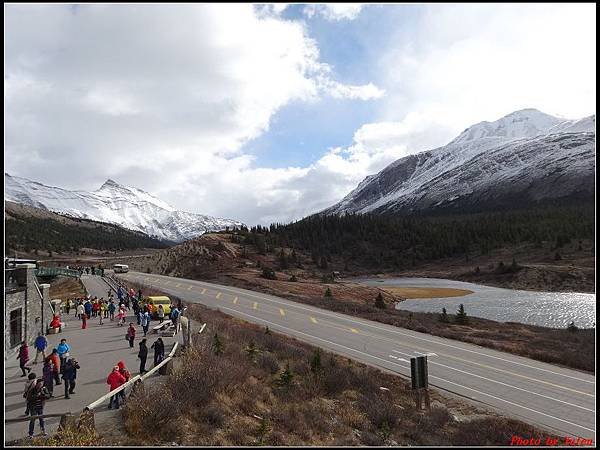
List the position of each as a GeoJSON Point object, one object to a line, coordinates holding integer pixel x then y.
{"type": "Point", "coordinates": [40, 344]}
{"type": "Point", "coordinates": [63, 351]}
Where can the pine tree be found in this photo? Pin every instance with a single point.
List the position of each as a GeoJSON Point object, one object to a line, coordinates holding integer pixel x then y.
{"type": "Point", "coordinates": [444, 316]}
{"type": "Point", "coordinates": [267, 331]}
{"type": "Point", "coordinates": [328, 293]}
{"type": "Point", "coordinates": [461, 315]}
{"type": "Point", "coordinates": [315, 361]}
{"type": "Point", "coordinates": [217, 345]}
{"type": "Point", "coordinates": [379, 303]}
{"type": "Point", "coordinates": [286, 377]}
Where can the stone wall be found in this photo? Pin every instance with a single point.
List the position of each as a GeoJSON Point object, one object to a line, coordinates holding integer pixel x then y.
{"type": "Point", "coordinates": [21, 292]}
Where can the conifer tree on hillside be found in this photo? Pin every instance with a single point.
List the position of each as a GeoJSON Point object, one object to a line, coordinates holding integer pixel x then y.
{"type": "Point", "coordinates": [379, 303]}
{"type": "Point", "coordinates": [461, 315]}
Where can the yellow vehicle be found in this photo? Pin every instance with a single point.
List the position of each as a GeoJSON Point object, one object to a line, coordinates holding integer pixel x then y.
{"type": "Point", "coordinates": [154, 301]}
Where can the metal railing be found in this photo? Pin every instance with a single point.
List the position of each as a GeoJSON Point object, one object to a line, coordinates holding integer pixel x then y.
{"type": "Point", "coordinates": [56, 271]}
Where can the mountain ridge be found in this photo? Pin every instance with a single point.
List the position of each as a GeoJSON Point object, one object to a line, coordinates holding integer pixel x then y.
{"type": "Point", "coordinates": [115, 203]}
{"type": "Point", "coordinates": [545, 147]}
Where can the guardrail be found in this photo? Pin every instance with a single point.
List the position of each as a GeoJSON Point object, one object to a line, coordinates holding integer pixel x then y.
{"type": "Point", "coordinates": [56, 271]}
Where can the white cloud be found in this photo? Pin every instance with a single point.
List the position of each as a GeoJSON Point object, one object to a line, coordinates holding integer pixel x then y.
{"type": "Point", "coordinates": [91, 94]}
{"type": "Point", "coordinates": [159, 96]}
{"type": "Point", "coordinates": [334, 11]}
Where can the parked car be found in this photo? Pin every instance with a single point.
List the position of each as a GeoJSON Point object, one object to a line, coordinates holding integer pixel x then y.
{"type": "Point", "coordinates": [153, 301]}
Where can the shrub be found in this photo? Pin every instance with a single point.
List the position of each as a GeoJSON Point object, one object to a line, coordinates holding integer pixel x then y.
{"type": "Point", "coordinates": [379, 303]}
{"type": "Point", "coordinates": [286, 377]}
{"type": "Point", "coordinates": [328, 293]}
{"type": "Point", "coordinates": [315, 361]}
{"type": "Point", "coordinates": [293, 278]}
{"type": "Point", "coordinates": [267, 361]}
{"type": "Point", "coordinates": [214, 416]}
{"type": "Point", "coordinates": [268, 273]}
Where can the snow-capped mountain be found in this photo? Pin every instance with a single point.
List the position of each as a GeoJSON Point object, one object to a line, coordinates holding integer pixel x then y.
{"type": "Point", "coordinates": [114, 203]}
{"type": "Point", "coordinates": [521, 159]}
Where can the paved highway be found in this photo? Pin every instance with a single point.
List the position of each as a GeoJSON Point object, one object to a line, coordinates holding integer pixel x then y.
{"type": "Point", "coordinates": [555, 398]}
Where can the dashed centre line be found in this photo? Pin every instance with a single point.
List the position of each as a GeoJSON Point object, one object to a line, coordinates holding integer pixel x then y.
{"type": "Point", "coordinates": [255, 305]}
{"type": "Point", "coordinates": [203, 291]}
{"type": "Point", "coordinates": [313, 320]}
{"type": "Point", "coordinates": [281, 311]}
{"type": "Point", "coordinates": [218, 295]}
{"type": "Point", "coordinates": [235, 301]}
{"type": "Point", "coordinates": [190, 288]}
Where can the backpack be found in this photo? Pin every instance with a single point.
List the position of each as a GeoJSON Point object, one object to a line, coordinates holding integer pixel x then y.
{"type": "Point", "coordinates": [175, 314]}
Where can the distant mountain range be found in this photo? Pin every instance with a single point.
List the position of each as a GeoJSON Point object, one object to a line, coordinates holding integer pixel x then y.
{"type": "Point", "coordinates": [114, 203]}
{"type": "Point", "coordinates": [523, 159]}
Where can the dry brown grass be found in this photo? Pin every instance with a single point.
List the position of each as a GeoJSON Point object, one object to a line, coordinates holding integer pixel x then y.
{"type": "Point", "coordinates": [426, 292]}
{"type": "Point", "coordinates": [233, 399]}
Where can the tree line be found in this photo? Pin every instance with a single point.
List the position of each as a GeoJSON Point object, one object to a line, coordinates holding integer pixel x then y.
{"type": "Point", "coordinates": [373, 241]}
{"type": "Point", "coordinates": [31, 234]}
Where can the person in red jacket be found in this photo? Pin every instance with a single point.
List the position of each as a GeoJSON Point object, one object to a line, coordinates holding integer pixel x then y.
{"type": "Point", "coordinates": [114, 380]}
{"type": "Point", "coordinates": [127, 375]}
{"type": "Point", "coordinates": [55, 360]}
{"type": "Point", "coordinates": [131, 334]}
{"type": "Point", "coordinates": [23, 357]}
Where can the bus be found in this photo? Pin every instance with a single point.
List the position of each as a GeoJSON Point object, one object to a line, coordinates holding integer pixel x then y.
{"type": "Point", "coordinates": [121, 268]}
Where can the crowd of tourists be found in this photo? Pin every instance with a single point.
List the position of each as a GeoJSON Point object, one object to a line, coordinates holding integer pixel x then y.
{"type": "Point", "coordinates": [59, 364]}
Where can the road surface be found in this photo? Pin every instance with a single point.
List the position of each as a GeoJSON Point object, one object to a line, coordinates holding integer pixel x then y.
{"type": "Point", "coordinates": [97, 349]}
{"type": "Point", "coordinates": [555, 398]}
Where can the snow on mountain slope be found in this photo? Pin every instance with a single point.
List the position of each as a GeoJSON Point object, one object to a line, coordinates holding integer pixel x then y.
{"type": "Point", "coordinates": [114, 203]}
{"type": "Point", "coordinates": [526, 155]}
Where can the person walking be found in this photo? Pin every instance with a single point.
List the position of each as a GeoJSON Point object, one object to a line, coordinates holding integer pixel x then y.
{"type": "Point", "coordinates": [131, 334]}
{"type": "Point", "coordinates": [145, 322]}
{"type": "Point", "coordinates": [80, 310]}
{"type": "Point", "coordinates": [48, 376]}
{"type": "Point", "coordinates": [104, 308]}
{"type": "Point", "coordinates": [30, 383]}
{"type": "Point", "coordinates": [114, 380]}
{"type": "Point", "coordinates": [142, 355]}
{"type": "Point", "coordinates": [37, 397]}
{"type": "Point", "coordinates": [69, 375]}
{"type": "Point", "coordinates": [111, 310]}
{"type": "Point", "coordinates": [40, 345]}
{"type": "Point", "coordinates": [159, 351]}
{"type": "Point", "coordinates": [175, 318]}
{"type": "Point", "coordinates": [95, 308]}
{"type": "Point", "coordinates": [55, 360]}
{"type": "Point", "coordinates": [88, 308]}
{"type": "Point", "coordinates": [63, 350]}
{"type": "Point", "coordinates": [23, 357]}
{"type": "Point", "coordinates": [68, 306]}
{"type": "Point", "coordinates": [84, 318]}
{"type": "Point", "coordinates": [161, 313]}
{"type": "Point", "coordinates": [127, 375]}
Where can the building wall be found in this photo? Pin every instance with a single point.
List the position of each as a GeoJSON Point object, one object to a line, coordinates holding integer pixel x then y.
{"type": "Point", "coordinates": [35, 309]}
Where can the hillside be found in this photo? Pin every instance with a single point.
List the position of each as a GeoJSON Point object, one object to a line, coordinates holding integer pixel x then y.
{"type": "Point", "coordinates": [32, 230]}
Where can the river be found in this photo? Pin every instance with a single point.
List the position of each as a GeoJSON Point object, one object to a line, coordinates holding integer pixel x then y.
{"type": "Point", "coordinates": [549, 309]}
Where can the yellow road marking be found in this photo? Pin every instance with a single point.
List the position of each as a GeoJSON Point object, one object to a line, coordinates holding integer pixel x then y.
{"type": "Point", "coordinates": [203, 291]}
{"type": "Point", "coordinates": [354, 330]}
{"type": "Point", "coordinates": [235, 301]}
{"type": "Point", "coordinates": [313, 320]}
{"type": "Point", "coordinates": [190, 288]}
{"type": "Point", "coordinates": [255, 306]}
{"type": "Point", "coordinates": [282, 312]}
{"type": "Point", "coordinates": [177, 285]}
{"type": "Point", "coordinates": [167, 282]}
{"type": "Point", "coordinates": [218, 295]}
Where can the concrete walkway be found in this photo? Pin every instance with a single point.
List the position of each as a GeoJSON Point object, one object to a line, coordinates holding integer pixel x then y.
{"type": "Point", "coordinates": [97, 349]}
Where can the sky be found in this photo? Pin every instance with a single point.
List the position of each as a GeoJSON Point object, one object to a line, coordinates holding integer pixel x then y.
{"type": "Point", "coordinates": [270, 112]}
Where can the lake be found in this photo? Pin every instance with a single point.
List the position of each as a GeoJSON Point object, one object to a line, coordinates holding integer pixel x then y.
{"type": "Point", "coordinates": [549, 309]}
